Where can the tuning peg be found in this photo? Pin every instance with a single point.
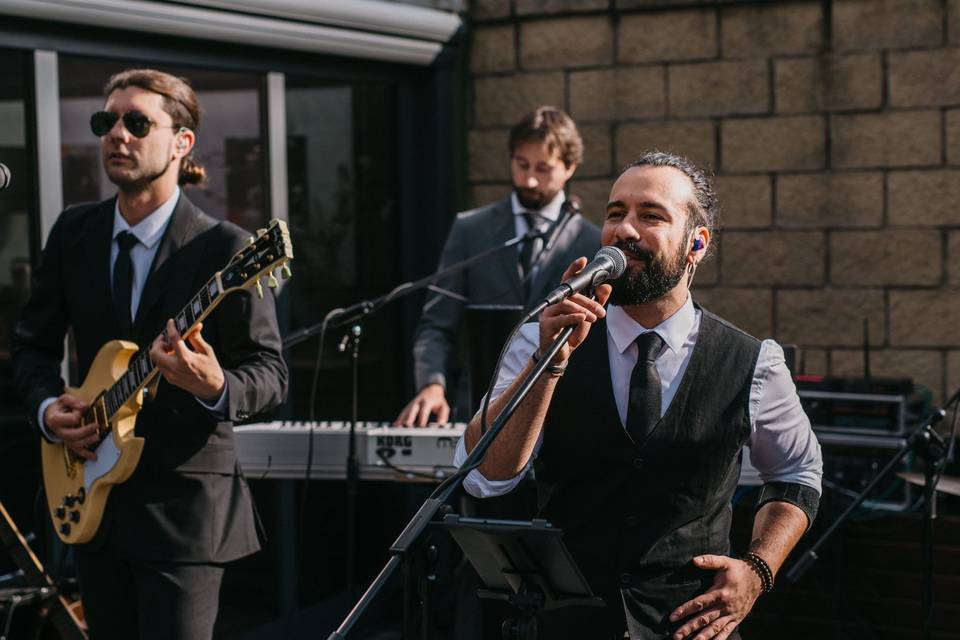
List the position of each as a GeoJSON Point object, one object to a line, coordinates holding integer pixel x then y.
{"type": "Point", "coordinates": [272, 281]}
{"type": "Point", "coordinates": [251, 240]}
{"type": "Point", "coordinates": [286, 272]}
{"type": "Point", "coordinates": [259, 289]}
{"type": "Point", "coordinates": [261, 233]}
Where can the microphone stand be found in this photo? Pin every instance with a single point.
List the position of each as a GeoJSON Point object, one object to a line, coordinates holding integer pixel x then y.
{"type": "Point", "coordinates": [438, 503]}
{"type": "Point", "coordinates": [932, 447]}
{"type": "Point", "coordinates": [364, 308]}
{"type": "Point", "coordinates": [354, 316]}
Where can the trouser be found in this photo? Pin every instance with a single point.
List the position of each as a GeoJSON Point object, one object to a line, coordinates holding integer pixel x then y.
{"type": "Point", "coordinates": [126, 599]}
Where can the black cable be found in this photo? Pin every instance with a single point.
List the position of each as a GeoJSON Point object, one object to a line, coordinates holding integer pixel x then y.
{"type": "Point", "coordinates": [311, 425]}
{"type": "Point", "coordinates": [463, 471]}
{"type": "Point", "coordinates": [406, 472]}
{"type": "Point", "coordinates": [14, 602]}
{"type": "Point", "coordinates": [496, 372]}
{"type": "Point", "coordinates": [927, 542]}
{"type": "Point", "coordinates": [561, 338]}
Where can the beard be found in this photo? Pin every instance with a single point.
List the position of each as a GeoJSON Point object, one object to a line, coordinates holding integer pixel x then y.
{"type": "Point", "coordinates": [640, 285]}
{"type": "Point", "coordinates": [533, 199]}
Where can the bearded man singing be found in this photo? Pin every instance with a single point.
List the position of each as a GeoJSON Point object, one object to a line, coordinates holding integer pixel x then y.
{"type": "Point", "coordinates": [637, 439]}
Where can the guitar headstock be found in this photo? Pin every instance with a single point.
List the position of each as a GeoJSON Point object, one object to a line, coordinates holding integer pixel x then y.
{"type": "Point", "coordinates": [270, 251]}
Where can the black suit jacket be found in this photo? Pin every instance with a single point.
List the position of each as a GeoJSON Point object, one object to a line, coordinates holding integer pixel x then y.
{"type": "Point", "coordinates": [186, 501]}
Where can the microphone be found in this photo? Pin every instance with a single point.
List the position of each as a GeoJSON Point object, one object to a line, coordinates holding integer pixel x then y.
{"type": "Point", "coordinates": [4, 176]}
{"type": "Point", "coordinates": [608, 264]}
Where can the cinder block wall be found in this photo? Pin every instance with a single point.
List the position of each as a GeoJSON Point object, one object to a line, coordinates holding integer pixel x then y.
{"type": "Point", "coordinates": [833, 128]}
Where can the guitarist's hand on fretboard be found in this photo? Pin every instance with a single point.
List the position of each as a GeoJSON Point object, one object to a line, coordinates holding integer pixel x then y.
{"type": "Point", "coordinates": [196, 371]}
{"type": "Point", "coordinates": [63, 419]}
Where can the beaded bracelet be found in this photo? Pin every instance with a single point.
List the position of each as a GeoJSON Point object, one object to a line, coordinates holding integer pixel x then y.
{"type": "Point", "coordinates": [554, 369]}
{"type": "Point", "coordinates": [760, 567]}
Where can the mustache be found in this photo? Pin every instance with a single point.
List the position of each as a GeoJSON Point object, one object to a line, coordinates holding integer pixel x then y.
{"type": "Point", "coordinates": [634, 249]}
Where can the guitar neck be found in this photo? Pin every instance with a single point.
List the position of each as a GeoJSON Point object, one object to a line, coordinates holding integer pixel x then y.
{"type": "Point", "coordinates": [141, 370]}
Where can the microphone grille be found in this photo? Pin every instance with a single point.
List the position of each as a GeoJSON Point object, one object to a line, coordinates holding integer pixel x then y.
{"type": "Point", "coordinates": [616, 257]}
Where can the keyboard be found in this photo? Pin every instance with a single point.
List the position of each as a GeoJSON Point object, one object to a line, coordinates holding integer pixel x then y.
{"type": "Point", "coordinates": [279, 450]}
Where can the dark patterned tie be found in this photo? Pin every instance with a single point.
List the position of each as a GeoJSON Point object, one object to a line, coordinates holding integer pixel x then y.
{"type": "Point", "coordinates": [526, 249]}
{"type": "Point", "coordinates": [529, 248]}
{"type": "Point", "coordinates": [123, 280]}
{"type": "Point", "coordinates": [643, 405]}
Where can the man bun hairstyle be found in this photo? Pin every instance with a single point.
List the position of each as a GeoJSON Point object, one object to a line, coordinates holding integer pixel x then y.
{"type": "Point", "coordinates": [179, 101]}
{"type": "Point", "coordinates": [552, 127]}
{"type": "Point", "coordinates": [704, 210]}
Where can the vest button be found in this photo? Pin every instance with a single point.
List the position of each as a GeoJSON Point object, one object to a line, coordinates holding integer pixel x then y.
{"type": "Point", "coordinates": [631, 521]}
{"type": "Point", "coordinates": [638, 463]}
{"type": "Point", "coordinates": [625, 578]}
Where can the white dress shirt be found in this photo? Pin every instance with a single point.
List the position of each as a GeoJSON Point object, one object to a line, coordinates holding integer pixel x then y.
{"type": "Point", "coordinates": [783, 447]}
{"type": "Point", "coordinates": [148, 232]}
{"type": "Point", "coordinates": [550, 211]}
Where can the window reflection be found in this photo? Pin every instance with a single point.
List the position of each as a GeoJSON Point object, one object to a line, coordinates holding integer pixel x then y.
{"type": "Point", "coordinates": [16, 211]}
{"type": "Point", "coordinates": [341, 164]}
{"type": "Point", "coordinates": [229, 141]}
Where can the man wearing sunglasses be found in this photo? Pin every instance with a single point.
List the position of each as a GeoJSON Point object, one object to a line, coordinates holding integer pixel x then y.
{"type": "Point", "coordinates": [122, 268]}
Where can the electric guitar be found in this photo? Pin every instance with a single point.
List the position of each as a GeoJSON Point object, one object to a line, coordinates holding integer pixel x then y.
{"type": "Point", "coordinates": [114, 389]}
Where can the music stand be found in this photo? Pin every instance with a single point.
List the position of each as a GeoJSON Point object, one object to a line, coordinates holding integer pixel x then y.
{"type": "Point", "coordinates": [524, 563]}
{"type": "Point", "coordinates": [487, 327]}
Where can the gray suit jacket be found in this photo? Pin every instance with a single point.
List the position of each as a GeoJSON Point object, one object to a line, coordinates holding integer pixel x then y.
{"type": "Point", "coordinates": [496, 281]}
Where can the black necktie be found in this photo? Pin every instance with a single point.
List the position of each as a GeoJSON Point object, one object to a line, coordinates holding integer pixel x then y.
{"type": "Point", "coordinates": [643, 406]}
{"type": "Point", "coordinates": [123, 280]}
{"type": "Point", "coordinates": [528, 250]}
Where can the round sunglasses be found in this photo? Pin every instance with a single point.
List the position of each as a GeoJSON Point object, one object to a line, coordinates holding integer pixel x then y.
{"type": "Point", "coordinates": [136, 122]}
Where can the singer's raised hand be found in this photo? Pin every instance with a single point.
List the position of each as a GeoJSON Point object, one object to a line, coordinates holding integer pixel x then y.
{"type": "Point", "coordinates": [579, 311]}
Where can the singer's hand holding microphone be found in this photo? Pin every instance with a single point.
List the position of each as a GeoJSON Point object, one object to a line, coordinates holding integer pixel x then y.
{"type": "Point", "coordinates": [567, 306]}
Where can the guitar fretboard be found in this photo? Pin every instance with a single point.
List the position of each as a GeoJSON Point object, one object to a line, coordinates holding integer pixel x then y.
{"type": "Point", "coordinates": [141, 370]}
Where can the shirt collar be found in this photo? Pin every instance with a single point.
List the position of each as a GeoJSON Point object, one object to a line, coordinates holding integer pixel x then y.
{"type": "Point", "coordinates": [623, 329]}
{"type": "Point", "coordinates": [549, 212]}
{"type": "Point", "coordinates": [149, 230]}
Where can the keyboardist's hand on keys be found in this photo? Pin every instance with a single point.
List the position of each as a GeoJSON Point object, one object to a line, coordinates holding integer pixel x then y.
{"type": "Point", "coordinates": [430, 400]}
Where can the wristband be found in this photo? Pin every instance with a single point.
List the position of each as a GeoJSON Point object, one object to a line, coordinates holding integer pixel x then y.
{"type": "Point", "coordinates": [760, 567]}
{"type": "Point", "coordinates": [555, 369]}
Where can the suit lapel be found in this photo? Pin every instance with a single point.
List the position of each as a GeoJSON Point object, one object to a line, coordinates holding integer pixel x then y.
{"type": "Point", "coordinates": [502, 230]}
{"type": "Point", "coordinates": [164, 264]}
{"type": "Point", "coordinates": [544, 280]}
{"type": "Point", "coordinates": [96, 249]}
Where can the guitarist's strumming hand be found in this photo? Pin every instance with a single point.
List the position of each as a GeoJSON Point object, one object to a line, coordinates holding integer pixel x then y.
{"type": "Point", "coordinates": [197, 371]}
{"type": "Point", "coordinates": [63, 419]}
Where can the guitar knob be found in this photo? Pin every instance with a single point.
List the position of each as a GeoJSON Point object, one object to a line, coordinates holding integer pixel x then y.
{"type": "Point", "coordinates": [60, 513]}
{"type": "Point", "coordinates": [65, 528]}
{"type": "Point", "coordinates": [74, 516]}
{"type": "Point", "coordinates": [69, 500]}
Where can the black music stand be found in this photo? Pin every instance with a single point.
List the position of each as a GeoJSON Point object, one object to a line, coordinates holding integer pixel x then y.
{"type": "Point", "coordinates": [523, 563]}
{"type": "Point", "coordinates": [487, 328]}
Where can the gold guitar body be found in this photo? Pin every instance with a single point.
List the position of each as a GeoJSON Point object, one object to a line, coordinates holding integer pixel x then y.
{"type": "Point", "coordinates": [77, 491]}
